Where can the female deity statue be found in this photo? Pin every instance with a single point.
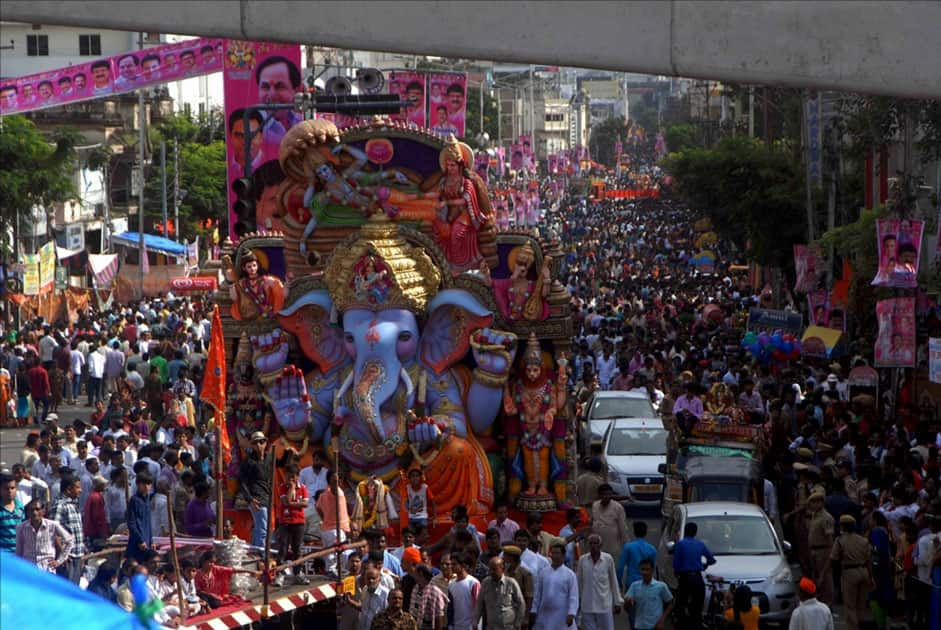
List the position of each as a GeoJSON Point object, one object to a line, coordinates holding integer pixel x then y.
{"type": "Point", "coordinates": [253, 295]}
{"type": "Point", "coordinates": [373, 494]}
{"type": "Point", "coordinates": [518, 297]}
{"type": "Point", "coordinates": [720, 405]}
{"type": "Point", "coordinates": [535, 436]}
{"type": "Point", "coordinates": [463, 208]}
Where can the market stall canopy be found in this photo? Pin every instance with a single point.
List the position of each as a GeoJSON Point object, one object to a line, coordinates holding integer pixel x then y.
{"type": "Point", "coordinates": [62, 253]}
{"type": "Point", "coordinates": [823, 343]}
{"type": "Point", "coordinates": [152, 242]}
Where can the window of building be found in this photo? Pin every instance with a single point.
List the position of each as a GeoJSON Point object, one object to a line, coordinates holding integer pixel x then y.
{"type": "Point", "coordinates": [37, 45]}
{"type": "Point", "coordinates": [89, 45]}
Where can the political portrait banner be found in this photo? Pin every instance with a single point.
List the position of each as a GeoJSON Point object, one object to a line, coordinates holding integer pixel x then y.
{"type": "Point", "coordinates": [31, 274]}
{"type": "Point", "coordinates": [819, 303]}
{"type": "Point", "coordinates": [517, 157]}
{"type": "Point", "coordinates": [111, 75]}
{"type": "Point", "coordinates": [447, 108]}
{"type": "Point", "coordinates": [47, 267]}
{"type": "Point", "coordinates": [409, 86]}
{"type": "Point", "coordinates": [937, 241]}
{"type": "Point", "coordinates": [934, 359]}
{"type": "Point", "coordinates": [895, 343]}
{"type": "Point", "coordinates": [807, 265]}
{"type": "Point", "coordinates": [529, 158]}
{"type": "Point", "coordinates": [482, 165]}
{"type": "Point", "coordinates": [258, 73]}
{"type": "Point", "coordinates": [899, 244]}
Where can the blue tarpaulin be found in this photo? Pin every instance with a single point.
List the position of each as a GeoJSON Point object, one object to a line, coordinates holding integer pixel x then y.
{"type": "Point", "coordinates": [153, 243]}
{"type": "Point", "coordinates": [30, 598]}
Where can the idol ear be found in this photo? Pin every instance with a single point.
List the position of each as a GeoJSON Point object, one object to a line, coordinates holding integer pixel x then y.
{"type": "Point", "coordinates": [308, 319]}
{"type": "Point", "coordinates": [445, 339]}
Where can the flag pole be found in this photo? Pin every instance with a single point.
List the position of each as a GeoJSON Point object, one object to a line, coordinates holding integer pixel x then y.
{"type": "Point", "coordinates": [220, 472]}
{"type": "Point", "coordinates": [175, 558]}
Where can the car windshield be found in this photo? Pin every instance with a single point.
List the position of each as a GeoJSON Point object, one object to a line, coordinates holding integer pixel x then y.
{"type": "Point", "coordinates": [729, 535]}
{"type": "Point", "coordinates": [613, 408]}
{"type": "Point", "coordinates": [637, 442]}
{"type": "Point", "coordinates": [702, 490]}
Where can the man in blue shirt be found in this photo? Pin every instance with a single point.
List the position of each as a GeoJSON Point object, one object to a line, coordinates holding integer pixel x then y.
{"type": "Point", "coordinates": [11, 512]}
{"type": "Point", "coordinates": [632, 553]}
{"type": "Point", "coordinates": [688, 567]}
{"type": "Point", "coordinates": [649, 600]}
{"type": "Point", "coordinates": [140, 539]}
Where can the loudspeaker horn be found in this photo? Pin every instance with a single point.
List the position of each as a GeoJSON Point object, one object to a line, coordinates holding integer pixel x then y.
{"type": "Point", "coordinates": [338, 86]}
{"type": "Point", "coordinates": [370, 80]}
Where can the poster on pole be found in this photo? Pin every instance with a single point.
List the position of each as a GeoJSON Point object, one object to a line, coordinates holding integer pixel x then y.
{"type": "Point", "coordinates": [895, 344]}
{"type": "Point", "coordinates": [807, 266]}
{"type": "Point", "coordinates": [409, 86]}
{"type": "Point", "coordinates": [447, 109]}
{"type": "Point", "coordinates": [258, 73]}
{"type": "Point", "coordinates": [111, 75]}
{"type": "Point", "coordinates": [934, 359]}
{"type": "Point", "coordinates": [899, 244]}
{"type": "Point", "coordinates": [47, 267]}
{"type": "Point", "coordinates": [31, 274]}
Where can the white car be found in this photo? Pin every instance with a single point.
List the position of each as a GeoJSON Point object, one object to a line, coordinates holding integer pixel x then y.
{"type": "Point", "coordinates": [607, 406]}
{"type": "Point", "coordinates": [746, 548]}
{"type": "Point", "coordinates": [635, 450]}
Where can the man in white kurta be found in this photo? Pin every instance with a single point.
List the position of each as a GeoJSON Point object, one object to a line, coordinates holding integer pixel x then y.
{"type": "Point", "coordinates": [598, 587]}
{"type": "Point", "coordinates": [555, 602]}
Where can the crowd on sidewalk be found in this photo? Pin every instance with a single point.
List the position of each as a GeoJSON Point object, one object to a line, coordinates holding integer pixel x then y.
{"type": "Point", "coordinates": [855, 482]}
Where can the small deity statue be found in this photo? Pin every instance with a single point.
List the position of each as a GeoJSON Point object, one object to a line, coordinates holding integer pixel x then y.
{"type": "Point", "coordinates": [373, 494]}
{"type": "Point", "coordinates": [253, 295]}
{"type": "Point", "coordinates": [720, 405]}
{"type": "Point", "coordinates": [536, 436]}
{"type": "Point", "coordinates": [463, 208]}
{"type": "Point", "coordinates": [518, 297]}
{"type": "Point", "coordinates": [245, 406]}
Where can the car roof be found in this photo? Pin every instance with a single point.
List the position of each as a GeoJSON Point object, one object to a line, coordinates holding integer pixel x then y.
{"type": "Point", "coordinates": [622, 394]}
{"type": "Point", "coordinates": [635, 423]}
{"type": "Point", "coordinates": [721, 508]}
{"type": "Point", "coordinates": [722, 467]}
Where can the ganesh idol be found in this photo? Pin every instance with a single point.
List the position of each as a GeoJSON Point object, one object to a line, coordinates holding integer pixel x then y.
{"type": "Point", "coordinates": [403, 369]}
{"type": "Point", "coordinates": [536, 431]}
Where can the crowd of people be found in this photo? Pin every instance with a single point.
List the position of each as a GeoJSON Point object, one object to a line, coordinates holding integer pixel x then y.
{"type": "Point", "coordinates": [856, 487]}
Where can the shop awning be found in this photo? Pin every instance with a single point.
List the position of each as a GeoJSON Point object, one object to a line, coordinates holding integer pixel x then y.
{"type": "Point", "coordinates": [153, 243]}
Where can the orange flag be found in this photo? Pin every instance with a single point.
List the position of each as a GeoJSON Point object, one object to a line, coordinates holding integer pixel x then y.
{"type": "Point", "coordinates": [213, 392]}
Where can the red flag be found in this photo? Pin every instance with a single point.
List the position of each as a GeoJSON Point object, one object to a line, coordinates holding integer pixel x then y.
{"type": "Point", "coordinates": [213, 392]}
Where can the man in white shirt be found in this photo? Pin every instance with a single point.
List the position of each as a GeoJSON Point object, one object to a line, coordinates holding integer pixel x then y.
{"type": "Point", "coordinates": [928, 544]}
{"type": "Point", "coordinates": [598, 586]}
{"type": "Point", "coordinates": [531, 561]}
{"type": "Point", "coordinates": [811, 614]}
{"type": "Point", "coordinates": [374, 599]}
{"type": "Point", "coordinates": [555, 601]}
{"type": "Point", "coordinates": [464, 591]}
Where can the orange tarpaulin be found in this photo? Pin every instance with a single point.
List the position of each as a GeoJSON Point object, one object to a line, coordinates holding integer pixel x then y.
{"type": "Point", "coordinates": [632, 193]}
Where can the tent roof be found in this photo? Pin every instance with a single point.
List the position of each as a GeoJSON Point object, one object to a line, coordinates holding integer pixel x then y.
{"type": "Point", "coordinates": [153, 243]}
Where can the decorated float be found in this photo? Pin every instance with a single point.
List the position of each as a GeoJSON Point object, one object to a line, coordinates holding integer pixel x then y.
{"type": "Point", "coordinates": [393, 326]}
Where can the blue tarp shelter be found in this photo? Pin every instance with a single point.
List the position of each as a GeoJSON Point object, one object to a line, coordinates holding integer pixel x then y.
{"type": "Point", "coordinates": [154, 243]}
{"type": "Point", "coordinates": [30, 598]}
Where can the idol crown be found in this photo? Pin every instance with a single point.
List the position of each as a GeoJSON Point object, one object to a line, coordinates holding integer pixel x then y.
{"type": "Point", "coordinates": [381, 270]}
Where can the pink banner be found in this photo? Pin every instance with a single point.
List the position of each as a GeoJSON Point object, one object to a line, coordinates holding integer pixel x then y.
{"type": "Point", "coordinates": [899, 242]}
{"type": "Point", "coordinates": [482, 165]}
{"type": "Point", "coordinates": [448, 103]}
{"type": "Point", "coordinates": [808, 267]}
{"type": "Point", "coordinates": [895, 344]}
{"type": "Point", "coordinates": [819, 302]}
{"type": "Point", "coordinates": [517, 157]}
{"type": "Point", "coordinates": [111, 75]}
{"type": "Point", "coordinates": [409, 86]}
{"type": "Point", "coordinates": [258, 73]}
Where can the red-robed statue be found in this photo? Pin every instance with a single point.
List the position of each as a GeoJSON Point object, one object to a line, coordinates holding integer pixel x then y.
{"type": "Point", "coordinates": [463, 208]}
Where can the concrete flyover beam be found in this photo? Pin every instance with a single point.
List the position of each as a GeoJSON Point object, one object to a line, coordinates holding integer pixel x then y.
{"type": "Point", "coordinates": [872, 47]}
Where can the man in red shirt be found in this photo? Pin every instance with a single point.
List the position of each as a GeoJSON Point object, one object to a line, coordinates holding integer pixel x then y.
{"type": "Point", "coordinates": [95, 515]}
{"type": "Point", "coordinates": [39, 388]}
{"type": "Point", "coordinates": [293, 503]}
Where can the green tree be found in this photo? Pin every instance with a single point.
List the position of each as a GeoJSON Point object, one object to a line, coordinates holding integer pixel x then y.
{"type": "Point", "coordinates": [604, 137]}
{"type": "Point", "coordinates": [752, 193]}
{"type": "Point", "coordinates": [472, 127]}
{"type": "Point", "coordinates": [202, 162]}
{"type": "Point", "coordinates": [37, 170]}
{"type": "Point", "coordinates": [680, 137]}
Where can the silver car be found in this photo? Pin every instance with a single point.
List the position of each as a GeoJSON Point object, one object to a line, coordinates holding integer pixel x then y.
{"type": "Point", "coordinates": [634, 450]}
{"type": "Point", "coordinates": [746, 548]}
{"type": "Point", "coordinates": [608, 406]}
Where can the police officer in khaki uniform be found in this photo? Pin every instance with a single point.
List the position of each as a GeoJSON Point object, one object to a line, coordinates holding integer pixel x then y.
{"type": "Point", "coordinates": [513, 569]}
{"type": "Point", "coordinates": [820, 539]}
{"type": "Point", "coordinates": [854, 554]}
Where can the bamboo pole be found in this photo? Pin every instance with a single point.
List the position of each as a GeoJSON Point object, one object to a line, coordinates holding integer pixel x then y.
{"type": "Point", "coordinates": [335, 444]}
{"type": "Point", "coordinates": [220, 470]}
{"type": "Point", "coordinates": [175, 558]}
{"type": "Point", "coordinates": [320, 553]}
{"type": "Point", "coordinates": [267, 573]}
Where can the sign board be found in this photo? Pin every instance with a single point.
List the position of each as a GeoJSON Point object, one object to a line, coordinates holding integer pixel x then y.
{"type": "Point", "coordinates": [770, 320]}
{"type": "Point", "coordinates": [195, 283]}
{"type": "Point", "coordinates": [62, 278]}
{"type": "Point", "coordinates": [75, 236]}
